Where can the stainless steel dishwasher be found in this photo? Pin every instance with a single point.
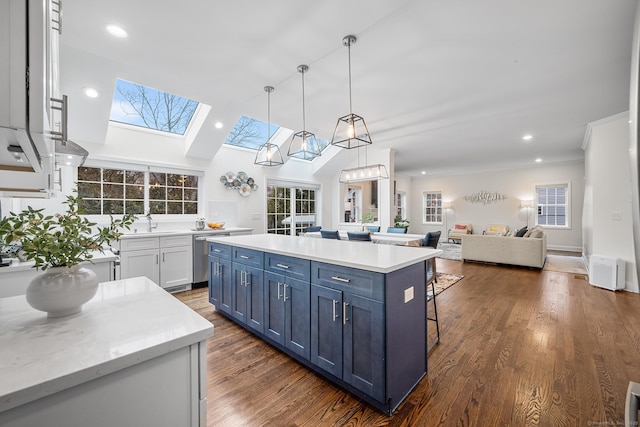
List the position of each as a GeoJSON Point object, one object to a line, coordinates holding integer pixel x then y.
{"type": "Point", "coordinates": [201, 256]}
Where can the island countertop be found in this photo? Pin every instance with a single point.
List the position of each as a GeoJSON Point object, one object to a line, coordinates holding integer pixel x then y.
{"type": "Point", "coordinates": [362, 255]}
{"type": "Point", "coordinates": [127, 322]}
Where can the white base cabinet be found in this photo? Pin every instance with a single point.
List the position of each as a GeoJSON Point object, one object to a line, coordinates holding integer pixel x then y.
{"type": "Point", "coordinates": [167, 260]}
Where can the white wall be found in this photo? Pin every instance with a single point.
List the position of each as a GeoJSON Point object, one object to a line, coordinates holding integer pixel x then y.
{"type": "Point", "coordinates": [517, 185]}
{"type": "Point", "coordinates": [608, 229]}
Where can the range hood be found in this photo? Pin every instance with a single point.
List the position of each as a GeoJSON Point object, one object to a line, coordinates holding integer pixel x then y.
{"type": "Point", "coordinates": [70, 154]}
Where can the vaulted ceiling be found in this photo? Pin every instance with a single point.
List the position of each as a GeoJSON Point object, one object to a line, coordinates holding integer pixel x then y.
{"type": "Point", "coordinates": [452, 86]}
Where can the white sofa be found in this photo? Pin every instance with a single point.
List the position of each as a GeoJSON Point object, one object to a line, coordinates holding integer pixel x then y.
{"type": "Point", "coordinates": [523, 251]}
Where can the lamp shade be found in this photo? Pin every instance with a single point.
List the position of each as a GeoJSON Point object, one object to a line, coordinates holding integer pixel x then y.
{"type": "Point", "coordinates": [304, 145]}
{"type": "Point", "coordinates": [446, 205]}
{"type": "Point", "coordinates": [351, 132]}
{"type": "Point", "coordinates": [269, 155]}
{"type": "Point", "coordinates": [526, 203]}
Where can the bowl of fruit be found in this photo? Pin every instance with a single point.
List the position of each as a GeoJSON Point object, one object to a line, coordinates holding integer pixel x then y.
{"type": "Point", "coordinates": [216, 225]}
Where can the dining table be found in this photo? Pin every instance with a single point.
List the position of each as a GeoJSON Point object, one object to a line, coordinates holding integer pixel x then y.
{"type": "Point", "coordinates": [380, 238]}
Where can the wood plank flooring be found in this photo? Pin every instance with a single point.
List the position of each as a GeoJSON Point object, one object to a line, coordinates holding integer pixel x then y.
{"type": "Point", "coordinates": [518, 347]}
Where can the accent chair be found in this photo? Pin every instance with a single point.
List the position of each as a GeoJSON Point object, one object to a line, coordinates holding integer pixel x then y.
{"type": "Point", "coordinates": [374, 228]}
{"type": "Point", "coordinates": [399, 230]}
{"type": "Point", "coordinates": [314, 228]}
{"type": "Point", "coordinates": [431, 239]}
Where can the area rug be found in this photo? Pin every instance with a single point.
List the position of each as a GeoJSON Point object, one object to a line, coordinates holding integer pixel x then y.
{"type": "Point", "coordinates": [450, 251]}
{"type": "Point", "coordinates": [565, 264]}
{"type": "Point", "coordinates": [445, 280]}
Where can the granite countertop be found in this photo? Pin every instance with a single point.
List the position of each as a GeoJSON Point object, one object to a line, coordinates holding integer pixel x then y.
{"type": "Point", "coordinates": [362, 255]}
{"type": "Point", "coordinates": [127, 322]}
{"type": "Point", "coordinates": [98, 257]}
{"type": "Point", "coordinates": [206, 231]}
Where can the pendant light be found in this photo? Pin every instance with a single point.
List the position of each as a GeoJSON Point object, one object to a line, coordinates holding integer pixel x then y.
{"type": "Point", "coordinates": [303, 144]}
{"type": "Point", "coordinates": [351, 130]}
{"type": "Point", "coordinates": [269, 153]}
{"type": "Point", "coordinates": [364, 173]}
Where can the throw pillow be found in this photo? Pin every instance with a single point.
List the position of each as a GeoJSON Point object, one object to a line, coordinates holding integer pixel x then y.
{"type": "Point", "coordinates": [536, 233]}
{"type": "Point", "coordinates": [500, 233]}
{"type": "Point", "coordinates": [460, 227]}
{"type": "Point", "coordinates": [521, 232]}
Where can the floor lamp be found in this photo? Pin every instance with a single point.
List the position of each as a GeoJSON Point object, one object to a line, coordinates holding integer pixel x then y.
{"type": "Point", "coordinates": [446, 206]}
{"type": "Point", "coordinates": [528, 205]}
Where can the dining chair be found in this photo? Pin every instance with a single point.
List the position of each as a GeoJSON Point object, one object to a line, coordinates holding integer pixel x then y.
{"type": "Point", "coordinates": [399, 230]}
{"type": "Point", "coordinates": [314, 228]}
{"type": "Point", "coordinates": [374, 228]}
{"type": "Point", "coordinates": [330, 234]}
{"type": "Point", "coordinates": [431, 239]}
{"type": "Point", "coordinates": [362, 236]}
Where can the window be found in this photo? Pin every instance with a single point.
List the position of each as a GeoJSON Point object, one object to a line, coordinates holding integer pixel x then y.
{"type": "Point", "coordinates": [552, 202]}
{"type": "Point", "coordinates": [105, 191]}
{"type": "Point", "coordinates": [432, 207]}
{"type": "Point", "coordinates": [138, 105]}
{"type": "Point", "coordinates": [401, 204]}
{"type": "Point", "coordinates": [290, 208]}
{"type": "Point", "coordinates": [250, 133]}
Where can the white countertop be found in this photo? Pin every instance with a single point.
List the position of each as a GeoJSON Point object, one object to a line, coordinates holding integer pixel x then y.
{"type": "Point", "coordinates": [362, 255]}
{"type": "Point", "coordinates": [106, 256]}
{"type": "Point", "coordinates": [126, 323]}
{"type": "Point", "coordinates": [206, 231]}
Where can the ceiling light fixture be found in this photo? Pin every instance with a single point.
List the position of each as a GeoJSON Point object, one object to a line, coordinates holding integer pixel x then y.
{"type": "Point", "coordinates": [527, 137]}
{"type": "Point", "coordinates": [303, 144]}
{"type": "Point", "coordinates": [91, 92]}
{"type": "Point", "coordinates": [219, 125]}
{"type": "Point", "coordinates": [351, 130]}
{"type": "Point", "coordinates": [268, 154]}
{"type": "Point", "coordinates": [538, 160]}
{"type": "Point", "coordinates": [364, 173]}
{"type": "Point", "coordinates": [116, 31]}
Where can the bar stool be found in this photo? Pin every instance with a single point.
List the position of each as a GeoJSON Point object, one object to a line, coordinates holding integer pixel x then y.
{"type": "Point", "coordinates": [431, 296]}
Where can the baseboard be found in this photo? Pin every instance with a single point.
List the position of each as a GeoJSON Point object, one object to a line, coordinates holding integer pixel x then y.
{"type": "Point", "coordinates": [565, 248]}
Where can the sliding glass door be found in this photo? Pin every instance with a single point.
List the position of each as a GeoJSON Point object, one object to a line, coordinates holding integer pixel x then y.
{"type": "Point", "coordinates": [291, 208]}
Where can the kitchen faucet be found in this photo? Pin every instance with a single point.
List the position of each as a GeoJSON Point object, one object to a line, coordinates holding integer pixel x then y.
{"type": "Point", "coordinates": [149, 226]}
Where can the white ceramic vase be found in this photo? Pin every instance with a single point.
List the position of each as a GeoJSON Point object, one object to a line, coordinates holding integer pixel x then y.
{"type": "Point", "coordinates": [61, 291]}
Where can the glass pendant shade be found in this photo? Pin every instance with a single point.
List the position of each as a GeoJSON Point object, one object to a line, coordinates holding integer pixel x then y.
{"type": "Point", "coordinates": [303, 144]}
{"type": "Point", "coordinates": [364, 173]}
{"type": "Point", "coordinates": [269, 154]}
{"type": "Point", "coordinates": [351, 130]}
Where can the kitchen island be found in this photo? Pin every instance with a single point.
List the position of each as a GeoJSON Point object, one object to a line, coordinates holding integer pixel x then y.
{"type": "Point", "coordinates": [354, 312]}
{"type": "Point", "coordinates": [134, 355]}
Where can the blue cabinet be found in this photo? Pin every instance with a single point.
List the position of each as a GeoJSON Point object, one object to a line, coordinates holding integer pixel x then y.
{"type": "Point", "coordinates": [287, 303]}
{"type": "Point", "coordinates": [347, 328]}
{"type": "Point", "coordinates": [220, 276]}
{"type": "Point", "coordinates": [248, 296]}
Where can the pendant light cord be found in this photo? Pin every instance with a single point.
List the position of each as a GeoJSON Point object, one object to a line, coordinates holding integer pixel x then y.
{"type": "Point", "coordinates": [268, 115]}
{"type": "Point", "coordinates": [304, 126]}
{"type": "Point", "coordinates": [350, 102]}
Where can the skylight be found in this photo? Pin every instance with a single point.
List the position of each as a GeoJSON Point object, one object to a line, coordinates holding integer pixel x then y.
{"type": "Point", "coordinates": [142, 106]}
{"type": "Point", "coordinates": [250, 133]}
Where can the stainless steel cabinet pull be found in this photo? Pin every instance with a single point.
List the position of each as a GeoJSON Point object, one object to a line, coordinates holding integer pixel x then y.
{"type": "Point", "coordinates": [241, 278]}
{"type": "Point", "coordinates": [279, 291]}
{"type": "Point", "coordinates": [282, 265]}
{"type": "Point", "coordinates": [340, 279]}
{"type": "Point", "coordinates": [244, 257]}
{"type": "Point", "coordinates": [334, 310]}
{"type": "Point", "coordinates": [247, 278]}
{"type": "Point", "coordinates": [157, 259]}
{"type": "Point", "coordinates": [163, 260]}
{"type": "Point", "coordinates": [344, 313]}
{"type": "Point", "coordinates": [285, 293]}
{"type": "Point", "coordinates": [217, 250]}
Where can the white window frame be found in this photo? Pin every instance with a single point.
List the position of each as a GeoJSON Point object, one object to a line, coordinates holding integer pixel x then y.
{"type": "Point", "coordinates": [567, 206]}
{"type": "Point", "coordinates": [401, 204]}
{"type": "Point", "coordinates": [439, 209]}
{"type": "Point", "coordinates": [147, 168]}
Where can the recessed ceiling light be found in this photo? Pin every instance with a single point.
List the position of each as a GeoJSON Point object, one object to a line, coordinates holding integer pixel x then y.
{"type": "Point", "coordinates": [527, 137]}
{"type": "Point", "coordinates": [538, 160]}
{"type": "Point", "coordinates": [116, 31]}
{"type": "Point", "coordinates": [91, 92]}
{"type": "Point", "coordinates": [423, 173]}
{"type": "Point", "coordinates": [219, 125]}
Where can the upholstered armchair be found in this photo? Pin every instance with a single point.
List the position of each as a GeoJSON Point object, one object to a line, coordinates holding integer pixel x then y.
{"type": "Point", "coordinates": [496, 230]}
{"type": "Point", "coordinates": [458, 231]}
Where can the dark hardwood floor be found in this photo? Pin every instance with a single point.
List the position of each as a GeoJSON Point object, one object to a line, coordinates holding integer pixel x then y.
{"type": "Point", "coordinates": [518, 347]}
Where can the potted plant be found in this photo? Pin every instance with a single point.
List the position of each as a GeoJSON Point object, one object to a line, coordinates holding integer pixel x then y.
{"type": "Point", "coordinates": [367, 219]}
{"type": "Point", "coordinates": [58, 244]}
{"type": "Point", "coordinates": [400, 223]}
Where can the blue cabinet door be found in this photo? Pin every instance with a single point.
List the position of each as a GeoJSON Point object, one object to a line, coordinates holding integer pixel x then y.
{"type": "Point", "coordinates": [296, 298]}
{"type": "Point", "coordinates": [220, 283]}
{"type": "Point", "coordinates": [255, 299]}
{"type": "Point", "coordinates": [274, 307]}
{"type": "Point", "coordinates": [363, 345]}
{"type": "Point", "coordinates": [247, 296]}
{"type": "Point", "coordinates": [214, 281]}
{"type": "Point", "coordinates": [326, 329]}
